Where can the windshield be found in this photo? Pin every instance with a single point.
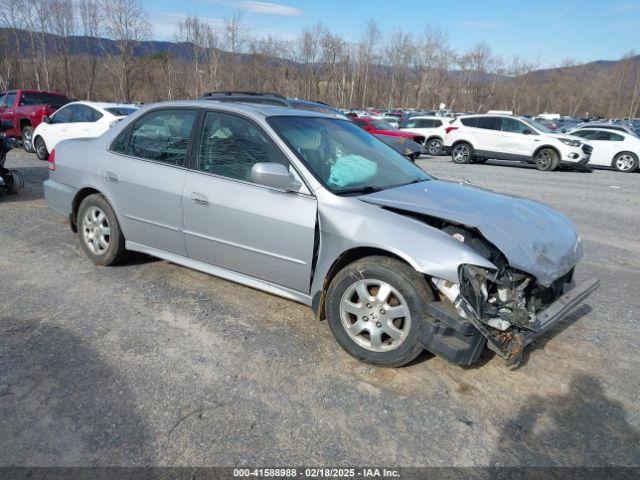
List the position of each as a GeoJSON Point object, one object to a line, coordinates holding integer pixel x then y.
{"type": "Point", "coordinates": [343, 157]}
{"type": "Point", "coordinates": [379, 124]}
{"type": "Point", "coordinates": [121, 111]}
{"type": "Point", "coordinates": [536, 125]}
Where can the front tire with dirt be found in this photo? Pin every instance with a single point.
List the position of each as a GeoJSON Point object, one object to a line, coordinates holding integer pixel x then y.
{"type": "Point", "coordinates": [375, 308]}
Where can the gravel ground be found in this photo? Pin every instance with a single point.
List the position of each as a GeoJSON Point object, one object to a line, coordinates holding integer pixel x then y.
{"type": "Point", "coordinates": [150, 363]}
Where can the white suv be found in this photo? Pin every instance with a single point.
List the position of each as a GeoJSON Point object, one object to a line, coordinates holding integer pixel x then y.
{"type": "Point", "coordinates": [476, 138]}
{"type": "Point", "coordinates": [433, 129]}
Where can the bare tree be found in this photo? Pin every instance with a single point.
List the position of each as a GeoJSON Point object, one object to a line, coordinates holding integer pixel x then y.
{"type": "Point", "coordinates": [126, 24]}
{"type": "Point", "coordinates": [89, 13]}
{"type": "Point", "coordinates": [63, 24]}
{"type": "Point", "coordinates": [235, 38]}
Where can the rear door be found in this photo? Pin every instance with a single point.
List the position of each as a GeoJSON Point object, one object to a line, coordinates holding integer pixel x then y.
{"type": "Point", "coordinates": [487, 136]}
{"type": "Point", "coordinates": [85, 122]}
{"type": "Point", "coordinates": [144, 176]}
{"type": "Point", "coordinates": [603, 149]}
{"type": "Point", "coordinates": [233, 223]}
{"type": "Point", "coordinates": [517, 139]}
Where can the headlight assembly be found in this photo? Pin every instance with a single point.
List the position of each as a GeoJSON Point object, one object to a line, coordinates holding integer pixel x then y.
{"type": "Point", "coordinates": [571, 142]}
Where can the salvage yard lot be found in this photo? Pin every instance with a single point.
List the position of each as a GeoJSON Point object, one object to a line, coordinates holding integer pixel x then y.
{"type": "Point", "coordinates": [152, 363]}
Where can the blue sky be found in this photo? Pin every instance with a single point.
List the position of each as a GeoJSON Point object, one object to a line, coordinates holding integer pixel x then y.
{"type": "Point", "coordinates": [543, 31]}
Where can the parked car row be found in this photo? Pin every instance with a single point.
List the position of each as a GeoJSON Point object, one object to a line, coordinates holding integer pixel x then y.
{"type": "Point", "coordinates": [477, 138]}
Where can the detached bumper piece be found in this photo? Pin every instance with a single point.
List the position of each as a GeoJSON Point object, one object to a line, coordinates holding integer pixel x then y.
{"type": "Point", "coordinates": [550, 316]}
{"type": "Point", "coordinates": [450, 336]}
{"type": "Point", "coordinates": [461, 341]}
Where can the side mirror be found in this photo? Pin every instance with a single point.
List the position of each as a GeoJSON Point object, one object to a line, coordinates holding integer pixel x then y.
{"type": "Point", "coordinates": [274, 175]}
{"type": "Point", "coordinates": [6, 125]}
{"type": "Point", "coordinates": [526, 132]}
{"type": "Point", "coordinates": [46, 119]}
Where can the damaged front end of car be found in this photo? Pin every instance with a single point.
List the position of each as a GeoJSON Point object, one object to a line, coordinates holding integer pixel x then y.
{"type": "Point", "coordinates": [509, 308]}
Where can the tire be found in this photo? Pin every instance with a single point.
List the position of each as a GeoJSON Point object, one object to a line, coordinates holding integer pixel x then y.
{"type": "Point", "coordinates": [41, 148]}
{"type": "Point", "coordinates": [546, 160]}
{"type": "Point", "coordinates": [408, 293]}
{"type": "Point", "coordinates": [27, 139]}
{"type": "Point", "coordinates": [95, 219]}
{"type": "Point", "coordinates": [462, 153]}
{"type": "Point", "coordinates": [434, 147]}
{"type": "Point", "coordinates": [626, 162]}
{"type": "Point", "coordinates": [479, 160]}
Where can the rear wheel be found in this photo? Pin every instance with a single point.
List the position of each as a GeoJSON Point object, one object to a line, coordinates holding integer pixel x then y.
{"type": "Point", "coordinates": [41, 148]}
{"type": "Point", "coordinates": [27, 139]}
{"type": "Point", "coordinates": [546, 160]}
{"type": "Point", "coordinates": [625, 162]}
{"type": "Point", "coordinates": [434, 147]}
{"type": "Point", "coordinates": [462, 153]}
{"type": "Point", "coordinates": [375, 309]}
{"type": "Point", "coordinates": [99, 231]}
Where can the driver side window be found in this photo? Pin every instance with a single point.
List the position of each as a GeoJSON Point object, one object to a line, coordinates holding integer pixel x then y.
{"type": "Point", "coordinates": [231, 146]}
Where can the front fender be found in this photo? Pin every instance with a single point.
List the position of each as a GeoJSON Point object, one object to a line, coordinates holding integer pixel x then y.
{"type": "Point", "coordinates": [348, 223]}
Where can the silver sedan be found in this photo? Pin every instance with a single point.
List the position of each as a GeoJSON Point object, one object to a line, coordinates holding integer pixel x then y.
{"type": "Point", "coordinates": [310, 207]}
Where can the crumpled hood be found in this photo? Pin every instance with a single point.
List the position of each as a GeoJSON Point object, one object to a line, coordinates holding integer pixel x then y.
{"type": "Point", "coordinates": [533, 237]}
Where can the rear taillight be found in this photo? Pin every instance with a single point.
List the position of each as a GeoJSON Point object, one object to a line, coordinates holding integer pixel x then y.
{"type": "Point", "coordinates": [52, 160]}
{"type": "Point", "coordinates": [450, 129]}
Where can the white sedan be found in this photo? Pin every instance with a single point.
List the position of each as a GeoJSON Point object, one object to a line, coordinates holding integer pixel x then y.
{"type": "Point", "coordinates": [77, 120]}
{"type": "Point", "coordinates": [611, 148]}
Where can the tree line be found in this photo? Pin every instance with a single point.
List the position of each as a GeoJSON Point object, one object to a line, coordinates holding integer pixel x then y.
{"type": "Point", "coordinates": [403, 68]}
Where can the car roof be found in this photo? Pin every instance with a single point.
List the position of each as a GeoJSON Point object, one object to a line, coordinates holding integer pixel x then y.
{"type": "Point", "coordinates": [252, 109]}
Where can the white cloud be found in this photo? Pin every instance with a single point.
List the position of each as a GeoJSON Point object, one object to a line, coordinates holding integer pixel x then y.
{"type": "Point", "coordinates": [165, 24]}
{"type": "Point", "coordinates": [270, 9]}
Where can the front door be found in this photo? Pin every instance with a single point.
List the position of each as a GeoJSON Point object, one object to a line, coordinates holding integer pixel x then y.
{"type": "Point", "coordinates": [517, 139]}
{"type": "Point", "coordinates": [144, 177]}
{"type": "Point", "coordinates": [233, 223]}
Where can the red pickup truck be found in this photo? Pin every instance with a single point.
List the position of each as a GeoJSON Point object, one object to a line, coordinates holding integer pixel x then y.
{"type": "Point", "coordinates": [26, 109]}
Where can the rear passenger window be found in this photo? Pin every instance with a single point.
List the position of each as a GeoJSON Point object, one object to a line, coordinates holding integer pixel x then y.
{"type": "Point", "coordinates": [162, 135]}
{"type": "Point", "coordinates": [231, 146]}
{"type": "Point", "coordinates": [488, 123]}
{"type": "Point", "coordinates": [469, 122]}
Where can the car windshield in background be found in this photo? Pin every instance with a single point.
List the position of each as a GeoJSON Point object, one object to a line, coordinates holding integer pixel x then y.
{"type": "Point", "coordinates": [536, 125]}
{"type": "Point", "coordinates": [120, 111]}
{"type": "Point", "coordinates": [343, 157]}
{"type": "Point", "coordinates": [29, 98]}
{"type": "Point", "coordinates": [382, 125]}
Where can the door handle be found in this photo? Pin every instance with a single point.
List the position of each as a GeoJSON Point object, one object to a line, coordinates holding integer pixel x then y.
{"type": "Point", "coordinates": [110, 177]}
{"type": "Point", "coordinates": [199, 199]}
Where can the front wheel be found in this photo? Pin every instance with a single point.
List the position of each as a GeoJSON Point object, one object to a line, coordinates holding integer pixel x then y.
{"type": "Point", "coordinates": [434, 147]}
{"type": "Point", "coordinates": [41, 148]}
{"type": "Point", "coordinates": [27, 139]}
{"type": "Point", "coordinates": [99, 231]}
{"type": "Point", "coordinates": [546, 160]}
{"type": "Point", "coordinates": [375, 309]}
{"type": "Point", "coordinates": [462, 153]}
{"type": "Point", "coordinates": [626, 162]}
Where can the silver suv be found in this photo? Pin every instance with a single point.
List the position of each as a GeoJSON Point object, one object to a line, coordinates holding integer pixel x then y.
{"type": "Point", "coordinates": [310, 207]}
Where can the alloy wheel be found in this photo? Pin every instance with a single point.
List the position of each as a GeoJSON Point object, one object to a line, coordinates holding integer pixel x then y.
{"type": "Point", "coordinates": [26, 140]}
{"type": "Point", "coordinates": [625, 162]}
{"type": "Point", "coordinates": [461, 153]}
{"type": "Point", "coordinates": [375, 315]}
{"type": "Point", "coordinates": [544, 160]}
{"type": "Point", "coordinates": [95, 230]}
{"type": "Point", "coordinates": [433, 147]}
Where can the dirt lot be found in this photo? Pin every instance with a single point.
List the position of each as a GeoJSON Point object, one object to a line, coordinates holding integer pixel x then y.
{"type": "Point", "coordinates": [152, 363]}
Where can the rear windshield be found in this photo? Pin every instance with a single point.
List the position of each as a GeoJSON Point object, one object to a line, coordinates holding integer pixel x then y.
{"type": "Point", "coordinates": [120, 111]}
{"type": "Point", "coordinates": [32, 98]}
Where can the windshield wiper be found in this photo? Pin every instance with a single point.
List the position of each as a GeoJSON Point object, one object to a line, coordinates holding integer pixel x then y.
{"type": "Point", "coordinates": [367, 189]}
